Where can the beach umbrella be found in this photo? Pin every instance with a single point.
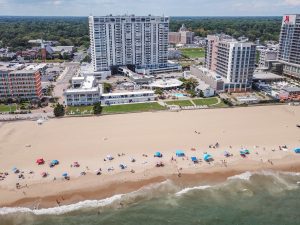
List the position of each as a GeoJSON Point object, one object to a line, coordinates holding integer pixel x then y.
{"type": "Point", "coordinates": [157, 154]}
{"type": "Point", "coordinates": [194, 159]}
{"type": "Point", "coordinates": [65, 174]}
{"type": "Point", "coordinates": [44, 174]}
{"type": "Point", "coordinates": [207, 157]}
{"type": "Point", "coordinates": [179, 153]}
{"type": "Point", "coordinates": [246, 151]}
{"type": "Point", "coordinates": [297, 150]}
{"type": "Point", "coordinates": [40, 161]}
{"type": "Point", "coordinates": [55, 162]}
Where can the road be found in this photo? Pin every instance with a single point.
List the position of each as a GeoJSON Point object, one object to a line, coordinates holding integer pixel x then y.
{"type": "Point", "coordinates": [78, 56]}
{"type": "Point", "coordinates": [62, 82]}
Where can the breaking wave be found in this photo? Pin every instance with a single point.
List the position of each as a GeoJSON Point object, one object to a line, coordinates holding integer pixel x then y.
{"type": "Point", "coordinates": [245, 183]}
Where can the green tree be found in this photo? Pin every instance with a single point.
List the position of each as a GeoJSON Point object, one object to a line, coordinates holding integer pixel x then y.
{"type": "Point", "coordinates": [97, 108]}
{"type": "Point", "coordinates": [158, 91]}
{"type": "Point", "coordinates": [107, 87]}
{"type": "Point", "coordinates": [59, 110]}
{"type": "Point", "coordinates": [192, 93]}
{"type": "Point", "coordinates": [190, 84]}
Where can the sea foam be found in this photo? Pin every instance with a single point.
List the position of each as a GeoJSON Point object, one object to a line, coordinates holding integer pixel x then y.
{"type": "Point", "coordinates": [63, 209]}
{"type": "Point", "coordinates": [186, 190]}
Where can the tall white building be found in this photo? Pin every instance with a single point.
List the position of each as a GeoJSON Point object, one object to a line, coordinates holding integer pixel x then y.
{"type": "Point", "coordinates": [233, 60]}
{"type": "Point", "coordinates": [140, 41]}
{"type": "Point", "coordinates": [289, 45]}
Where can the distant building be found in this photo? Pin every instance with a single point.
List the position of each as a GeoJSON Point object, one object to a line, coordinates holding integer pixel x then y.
{"type": "Point", "coordinates": [183, 36]}
{"type": "Point", "coordinates": [289, 45]}
{"type": "Point", "coordinates": [174, 37]}
{"type": "Point", "coordinates": [266, 56]}
{"type": "Point", "coordinates": [20, 82]}
{"type": "Point", "coordinates": [234, 61]}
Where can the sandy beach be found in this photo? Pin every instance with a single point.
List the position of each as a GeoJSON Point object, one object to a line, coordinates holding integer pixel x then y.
{"type": "Point", "coordinates": [89, 140]}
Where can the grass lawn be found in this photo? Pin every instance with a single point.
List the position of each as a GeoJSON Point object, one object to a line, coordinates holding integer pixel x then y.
{"type": "Point", "coordinates": [220, 105]}
{"type": "Point", "coordinates": [180, 103]}
{"type": "Point", "coordinates": [50, 61]}
{"type": "Point", "coordinates": [193, 52]}
{"type": "Point", "coordinates": [79, 109]}
{"type": "Point", "coordinates": [137, 107]}
{"type": "Point", "coordinates": [205, 101]}
{"type": "Point", "coordinates": [7, 108]}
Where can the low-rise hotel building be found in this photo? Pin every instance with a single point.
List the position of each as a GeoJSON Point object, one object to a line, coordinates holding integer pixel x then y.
{"type": "Point", "coordinates": [18, 81]}
{"type": "Point", "coordinates": [90, 92]}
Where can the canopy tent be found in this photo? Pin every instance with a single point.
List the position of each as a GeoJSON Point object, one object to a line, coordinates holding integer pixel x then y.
{"type": "Point", "coordinates": [180, 153]}
{"type": "Point", "coordinates": [76, 164]}
{"type": "Point", "coordinates": [55, 162]}
{"type": "Point", "coordinates": [207, 157]}
{"type": "Point", "coordinates": [40, 121]}
{"type": "Point", "coordinates": [122, 166]}
{"type": "Point", "coordinates": [109, 157]}
{"type": "Point", "coordinates": [15, 170]}
{"type": "Point", "coordinates": [40, 161]}
{"type": "Point", "coordinates": [157, 154]}
{"type": "Point", "coordinates": [297, 150]}
{"type": "Point", "coordinates": [244, 152]}
{"type": "Point", "coordinates": [226, 154]}
{"type": "Point", "coordinates": [194, 159]}
{"type": "Point", "coordinates": [65, 175]}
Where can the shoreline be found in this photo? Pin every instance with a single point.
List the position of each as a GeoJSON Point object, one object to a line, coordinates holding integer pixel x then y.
{"type": "Point", "coordinates": [110, 188]}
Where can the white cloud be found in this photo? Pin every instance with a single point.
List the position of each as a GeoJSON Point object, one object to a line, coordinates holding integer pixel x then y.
{"type": "Point", "coordinates": [292, 2]}
{"type": "Point", "coordinates": [57, 2]}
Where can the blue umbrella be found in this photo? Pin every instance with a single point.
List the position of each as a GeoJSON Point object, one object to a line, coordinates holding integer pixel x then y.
{"type": "Point", "coordinates": [179, 153]}
{"type": "Point", "coordinates": [194, 159]}
{"type": "Point", "coordinates": [55, 162]}
{"type": "Point", "coordinates": [207, 157]}
{"type": "Point", "coordinates": [65, 174]}
{"type": "Point", "coordinates": [297, 150]}
{"type": "Point", "coordinates": [158, 154]}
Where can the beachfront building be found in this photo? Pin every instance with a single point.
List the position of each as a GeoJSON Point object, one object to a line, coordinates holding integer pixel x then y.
{"type": "Point", "coordinates": [84, 91]}
{"type": "Point", "coordinates": [127, 97]}
{"type": "Point", "coordinates": [19, 81]}
{"type": "Point", "coordinates": [232, 60]}
{"type": "Point", "coordinates": [136, 41]}
{"type": "Point", "coordinates": [87, 91]}
{"type": "Point", "coordinates": [289, 45]}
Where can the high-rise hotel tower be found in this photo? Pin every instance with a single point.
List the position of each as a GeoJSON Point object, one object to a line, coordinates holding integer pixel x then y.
{"type": "Point", "coordinates": [128, 40]}
{"type": "Point", "coordinates": [289, 45]}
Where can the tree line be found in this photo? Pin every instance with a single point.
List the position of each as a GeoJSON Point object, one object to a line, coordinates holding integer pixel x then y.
{"type": "Point", "coordinates": [263, 28]}
{"type": "Point", "coordinates": [15, 32]}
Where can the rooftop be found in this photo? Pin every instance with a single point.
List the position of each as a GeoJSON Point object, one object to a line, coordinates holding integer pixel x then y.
{"type": "Point", "coordinates": [166, 83]}
{"type": "Point", "coordinates": [266, 76]}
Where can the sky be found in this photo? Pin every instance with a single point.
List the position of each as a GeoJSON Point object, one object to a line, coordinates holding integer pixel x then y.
{"type": "Point", "coordinates": [145, 7]}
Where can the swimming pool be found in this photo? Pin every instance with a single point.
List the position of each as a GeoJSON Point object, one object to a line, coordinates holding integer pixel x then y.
{"type": "Point", "coordinates": [178, 95]}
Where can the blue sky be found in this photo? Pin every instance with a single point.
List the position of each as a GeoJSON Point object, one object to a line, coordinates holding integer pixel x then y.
{"type": "Point", "coordinates": [145, 7]}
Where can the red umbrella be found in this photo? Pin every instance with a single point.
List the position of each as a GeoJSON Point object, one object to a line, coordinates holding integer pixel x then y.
{"type": "Point", "coordinates": [40, 161]}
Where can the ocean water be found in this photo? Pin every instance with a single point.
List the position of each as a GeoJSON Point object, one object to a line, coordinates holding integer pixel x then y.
{"type": "Point", "coordinates": [266, 198]}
